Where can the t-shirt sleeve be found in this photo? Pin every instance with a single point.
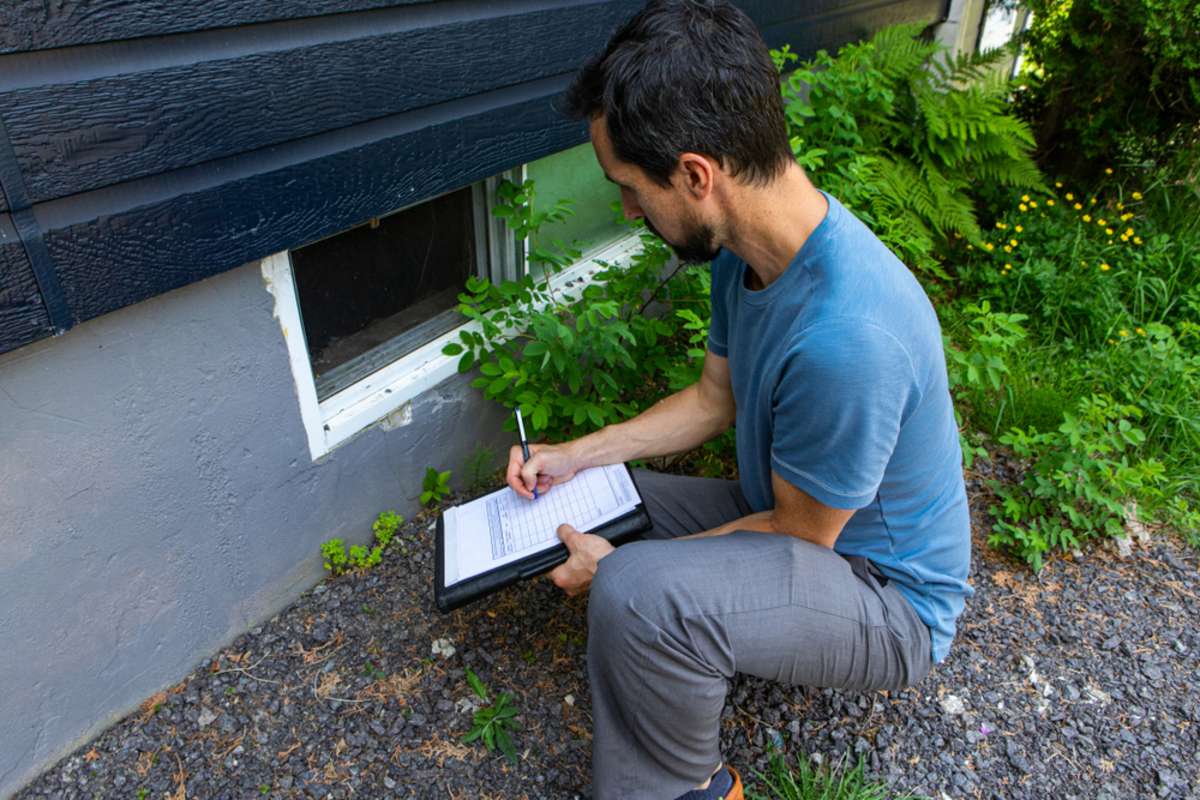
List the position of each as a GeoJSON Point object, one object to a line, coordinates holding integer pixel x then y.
{"type": "Point", "coordinates": [718, 326]}
{"type": "Point", "coordinates": [843, 394]}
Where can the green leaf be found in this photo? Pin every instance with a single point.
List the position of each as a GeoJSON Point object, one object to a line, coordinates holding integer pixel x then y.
{"type": "Point", "coordinates": [477, 685]}
{"type": "Point", "coordinates": [506, 745]}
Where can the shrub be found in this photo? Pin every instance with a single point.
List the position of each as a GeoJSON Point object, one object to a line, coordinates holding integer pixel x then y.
{"type": "Point", "coordinates": [1079, 482]}
{"type": "Point", "coordinates": [901, 135]}
{"type": "Point", "coordinates": [1109, 78]}
{"type": "Point", "coordinates": [572, 361]}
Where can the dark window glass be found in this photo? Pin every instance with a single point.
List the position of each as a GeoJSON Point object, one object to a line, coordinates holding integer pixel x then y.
{"type": "Point", "coordinates": [378, 291]}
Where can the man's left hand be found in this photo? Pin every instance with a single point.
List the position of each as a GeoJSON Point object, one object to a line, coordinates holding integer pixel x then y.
{"type": "Point", "coordinates": [575, 576]}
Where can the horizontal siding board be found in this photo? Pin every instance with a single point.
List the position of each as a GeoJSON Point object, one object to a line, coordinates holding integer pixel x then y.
{"type": "Point", "coordinates": [844, 23]}
{"type": "Point", "coordinates": [113, 260]}
{"type": "Point", "coordinates": [23, 317]}
{"type": "Point", "coordinates": [70, 138]}
{"type": "Point", "coordinates": [27, 25]}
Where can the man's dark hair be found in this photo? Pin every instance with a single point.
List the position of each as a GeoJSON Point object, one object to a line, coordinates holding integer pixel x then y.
{"type": "Point", "coordinates": [687, 76]}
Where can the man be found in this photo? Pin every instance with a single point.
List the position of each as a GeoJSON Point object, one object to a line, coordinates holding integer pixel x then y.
{"type": "Point", "coordinates": [840, 556]}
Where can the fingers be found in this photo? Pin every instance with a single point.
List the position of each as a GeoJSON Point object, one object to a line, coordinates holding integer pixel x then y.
{"type": "Point", "coordinates": [522, 475]}
{"type": "Point", "coordinates": [516, 459]}
{"type": "Point", "coordinates": [568, 535]}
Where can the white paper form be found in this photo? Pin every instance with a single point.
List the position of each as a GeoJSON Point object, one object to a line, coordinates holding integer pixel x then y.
{"type": "Point", "coordinates": [502, 527]}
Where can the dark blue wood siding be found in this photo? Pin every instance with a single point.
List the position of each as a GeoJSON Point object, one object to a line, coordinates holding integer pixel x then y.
{"type": "Point", "coordinates": [146, 145]}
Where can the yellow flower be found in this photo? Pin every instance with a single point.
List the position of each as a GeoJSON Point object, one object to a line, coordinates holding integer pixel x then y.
{"type": "Point", "coordinates": [989, 247]}
{"type": "Point", "coordinates": [1018, 229]}
{"type": "Point", "coordinates": [1001, 225]}
{"type": "Point", "coordinates": [1137, 240]}
{"type": "Point", "coordinates": [1033, 203]}
{"type": "Point", "coordinates": [1013, 242]}
{"type": "Point", "coordinates": [1105, 267]}
{"type": "Point", "coordinates": [1108, 170]}
{"type": "Point", "coordinates": [1024, 198]}
{"type": "Point", "coordinates": [1087, 217]}
{"type": "Point", "coordinates": [1050, 201]}
{"type": "Point", "coordinates": [1058, 184]}
{"type": "Point", "coordinates": [1023, 207]}
{"type": "Point", "coordinates": [1128, 215]}
{"type": "Point", "coordinates": [1078, 206]}
{"type": "Point", "coordinates": [1129, 231]}
{"type": "Point", "coordinates": [1120, 206]}
{"type": "Point", "coordinates": [1123, 333]}
{"type": "Point", "coordinates": [1092, 201]}
{"type": "Point", "coordinates": [1007, 248]}
{"type": "Point", "coordinates": [1070, 196]}
{"type": "Point", "coordinates": [1136, 195]}
{"type": "Point", "coordinates": [1140, 331]}
{"type": "Point", "coordinates": [1007, 265]}
{"type": "Point", "coordinates": [1109, 231]}
{"type": "Point", "coordinates": [970, 247]}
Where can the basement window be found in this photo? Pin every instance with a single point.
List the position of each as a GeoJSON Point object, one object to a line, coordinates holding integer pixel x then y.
{"type": "Point", "coordinates": [377, 292]}
{"type": "Point", "coordinates": [366, 312]}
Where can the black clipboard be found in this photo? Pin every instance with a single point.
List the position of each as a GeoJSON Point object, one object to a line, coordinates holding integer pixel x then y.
{"type": "Point", "coordinates": [447, 598]}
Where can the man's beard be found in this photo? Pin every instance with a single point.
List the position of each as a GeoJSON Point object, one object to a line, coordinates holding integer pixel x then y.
{"type": "Point", "coordinates": [697, 247]}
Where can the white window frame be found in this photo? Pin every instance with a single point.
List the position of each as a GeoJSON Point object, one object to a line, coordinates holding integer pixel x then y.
{"type": "Point", "coordinates": [386, 395]}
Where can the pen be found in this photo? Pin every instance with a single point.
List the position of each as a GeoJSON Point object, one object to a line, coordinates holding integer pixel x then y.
{"type": "Point", "coordinates": [525, 446]}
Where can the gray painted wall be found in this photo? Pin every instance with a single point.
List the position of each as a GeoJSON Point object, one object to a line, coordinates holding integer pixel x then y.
{"type": "Point", "coordinates": [157, 498]}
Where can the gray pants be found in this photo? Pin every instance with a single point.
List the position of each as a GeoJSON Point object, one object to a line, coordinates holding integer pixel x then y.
{"type": "Point", "coordinates": [670, 621]}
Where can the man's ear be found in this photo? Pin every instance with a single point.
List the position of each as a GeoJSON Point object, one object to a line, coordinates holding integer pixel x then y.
{"type": "Point", "coordinates": [696, 174]}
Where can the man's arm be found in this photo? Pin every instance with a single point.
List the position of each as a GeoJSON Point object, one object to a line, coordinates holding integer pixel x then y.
{"type": "Point", "coordinates": [674, 424]}
{"type": "Point", "coordinates": [796, 513]}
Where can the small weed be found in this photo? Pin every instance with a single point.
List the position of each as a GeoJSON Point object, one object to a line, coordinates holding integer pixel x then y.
{"type": "Point", "coordinates": [264, 788]}
{"type": "Point", "coordinates": [373, 672]}
{"type": "Point", "coordinates": [230, 690]}
{"type": "Point", "coordinates": [493, 722]}
{"type": "Point", "coordinates": [338, 560]}
{"type": "Point", "coordinates": [806, 782]}
{"type": "Point", "coordinates": [436, 486]}
{"type": "Point", "coordinates": [528, 657]}
{"type": "Point", "coordinates": [143, 792]}
{"type": "Point", "coordinates": [366, 609]}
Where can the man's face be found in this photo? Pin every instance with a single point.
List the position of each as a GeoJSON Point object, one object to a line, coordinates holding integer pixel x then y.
{"type": "Point", "coordinates": [665, 209]}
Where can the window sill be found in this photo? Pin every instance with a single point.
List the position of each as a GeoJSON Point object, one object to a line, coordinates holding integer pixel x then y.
{"type": "Point", "coordinates": [385, 395]}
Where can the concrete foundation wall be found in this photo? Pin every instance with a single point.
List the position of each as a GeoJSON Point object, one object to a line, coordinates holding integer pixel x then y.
{"type": "Point", "coordinates": [157, 498]}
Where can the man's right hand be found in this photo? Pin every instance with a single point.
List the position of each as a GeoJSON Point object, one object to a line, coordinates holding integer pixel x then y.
{"type": "Point", "coordinates": [549, 465]}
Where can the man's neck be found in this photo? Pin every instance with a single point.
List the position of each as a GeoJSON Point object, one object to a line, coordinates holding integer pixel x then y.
{"type": "Point", "coordinates": [768, 226]}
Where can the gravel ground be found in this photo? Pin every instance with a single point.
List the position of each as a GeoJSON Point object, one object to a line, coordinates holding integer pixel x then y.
{"type": "Point", "coordinates": [1082, 682]}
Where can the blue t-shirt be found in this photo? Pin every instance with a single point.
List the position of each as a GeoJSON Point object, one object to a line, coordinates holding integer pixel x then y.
{"type": "Point", "coordinates": [840, 382]}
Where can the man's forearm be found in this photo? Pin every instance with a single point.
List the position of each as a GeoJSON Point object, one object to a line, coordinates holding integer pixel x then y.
{"type": "Point", "coordinates": [675, 424]}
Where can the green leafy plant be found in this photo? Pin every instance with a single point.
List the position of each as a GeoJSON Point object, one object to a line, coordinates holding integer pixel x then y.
{"type": "Point", "coordinates": [493, 723]}
{"type": "Point", "coordinates": [573, 360]}
{"type": "Point", "coordinates": [1080, 480]}
{"type": "Point", "coordinates": [334, 552]}
{"type": "Point", "coordinates": [902, 134]}
{"type": "Point", "coordinates": [385, 527]}
{"type": "Point", "coordinates": [435, 486]}
{"type": "Point", "coordinates": [360, 557]}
